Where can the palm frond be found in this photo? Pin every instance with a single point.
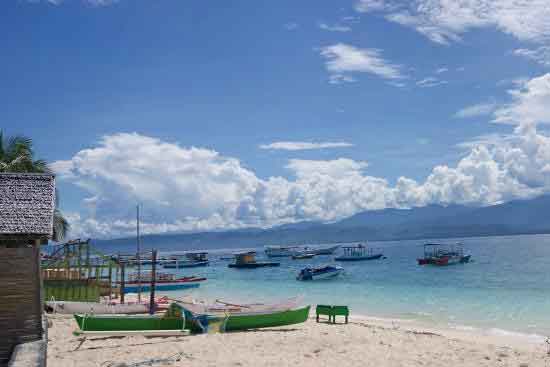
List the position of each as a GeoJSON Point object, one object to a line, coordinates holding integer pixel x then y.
{"type": "Point", "coordinates": [60, 226]}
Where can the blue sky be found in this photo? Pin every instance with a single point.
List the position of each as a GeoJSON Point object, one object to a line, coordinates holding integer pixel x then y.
{"type": "Point", "coordinates": [91, 80]}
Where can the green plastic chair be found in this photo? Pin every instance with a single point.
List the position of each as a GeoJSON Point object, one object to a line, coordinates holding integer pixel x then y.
{"type": "Point", "coordinates": [323, 310]}
{"type": "Point", "coordinates": [340, 311]}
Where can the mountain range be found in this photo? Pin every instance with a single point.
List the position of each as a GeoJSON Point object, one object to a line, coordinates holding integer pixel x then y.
{"type": "Point", "coordinates": [433, 221]}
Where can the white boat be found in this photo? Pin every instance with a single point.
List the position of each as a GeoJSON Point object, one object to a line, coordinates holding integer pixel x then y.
{"type": "Point", "coordinates": [358, 253]}
{"type": "Point", "coordinates": [321, 250]}
{"type": "Point", "coordinates": [281, 251]}
{"type": "Point", "coordinates": [72, 307]}
{"type": "Point", "coordinates": [318, 273]}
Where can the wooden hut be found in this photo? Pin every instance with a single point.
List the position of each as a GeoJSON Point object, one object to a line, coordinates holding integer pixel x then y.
{"type": "Point", "coordinates": [27, 203]}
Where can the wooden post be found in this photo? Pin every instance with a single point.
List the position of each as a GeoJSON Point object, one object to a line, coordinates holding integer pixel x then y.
{"type": "Point", "coordinates": [153, 281]}
{"type": "Point", "coordinates": [79, 260]}
{"type": "Point", "coordinates": [88, 257]}
{"type": "Point", "coordinates": [110, 279]}
{"type": "Point", "coordinates": [122, 276]}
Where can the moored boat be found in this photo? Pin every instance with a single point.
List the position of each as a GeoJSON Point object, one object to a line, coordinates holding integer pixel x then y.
{"type": "Point", "coordinates": [165, 286]}
{"type": "Point", "coordinates": [191, 260]}
{"type": "Point", "coordinates": [321, 250]}
{"type": "Point", "coordinates": [443, 255]}
{"type": "Point", "coordinates": [321, 272]}
{"type": "Point", "coordinates": [281, 251]}
{"type": "Point", "coordinates": [72, 307]}
{"type": "Point", "coordinates": [179, 318]}
{"type": "Point", "coordinates": [163, 282]}
{"type": "Point", "coordinates": [247, 260]}
{"type": "Point", "coordinates": [302, 256]}
{"type": "Point", "coordinates": [359, 253]}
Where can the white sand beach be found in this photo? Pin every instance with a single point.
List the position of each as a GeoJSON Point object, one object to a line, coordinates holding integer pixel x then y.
{"type": "Point", "coordinates": [363, 342]}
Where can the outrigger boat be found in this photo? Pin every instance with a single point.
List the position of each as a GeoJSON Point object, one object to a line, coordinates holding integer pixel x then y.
{"type": "Point", "coordinates": [442, 255]}
{"type": "Point", "coordinates": [106, 307]}
{"type": "Point", "coordinates": [163, 282]}
{"type": "Point", "coordinates": [182, 317]}
{"type": "Point", "coordinates": [247, 260]}
{"type": "Point", "coordinates": [192, 259]}
{"type": "Point", "coordinates": [322, 272]}
{"type": "Point", "coordinates": [358, 253]}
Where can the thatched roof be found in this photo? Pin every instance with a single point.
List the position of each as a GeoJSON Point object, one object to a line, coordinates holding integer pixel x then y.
{"type": "Point", "coordinates": [27, 202]}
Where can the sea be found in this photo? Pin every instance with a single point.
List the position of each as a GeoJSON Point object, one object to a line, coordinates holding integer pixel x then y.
{"type": "Point", "coordinates": [505, 289]}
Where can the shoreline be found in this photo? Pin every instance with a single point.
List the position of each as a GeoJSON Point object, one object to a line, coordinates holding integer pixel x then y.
{"type": "Point", "coordinates": [366, 341]}
{"type": "Point", "coordinates": [494, 335]}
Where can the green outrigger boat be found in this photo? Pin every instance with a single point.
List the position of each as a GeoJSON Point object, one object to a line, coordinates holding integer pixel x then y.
{"type": "Point", "coordinates": [179, 318]}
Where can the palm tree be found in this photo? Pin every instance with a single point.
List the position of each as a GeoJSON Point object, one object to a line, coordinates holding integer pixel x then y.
{"type": "Point", "coordinates": [17, 155]}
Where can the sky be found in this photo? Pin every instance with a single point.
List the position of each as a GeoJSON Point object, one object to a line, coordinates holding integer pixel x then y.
{"type": "Point", "coordinates": [219, 115]}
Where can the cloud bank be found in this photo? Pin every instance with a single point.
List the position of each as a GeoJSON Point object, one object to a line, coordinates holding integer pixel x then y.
{"type": "Point", "coordinates": [192, 189]}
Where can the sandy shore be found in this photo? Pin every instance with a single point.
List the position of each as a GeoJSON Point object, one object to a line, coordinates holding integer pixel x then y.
{"type": "Point", "coordinates": [363, 342]}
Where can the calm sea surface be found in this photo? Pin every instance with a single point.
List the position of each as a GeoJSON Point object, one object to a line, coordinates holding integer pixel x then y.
{"type": "Point", "coordinates": [506, 287]}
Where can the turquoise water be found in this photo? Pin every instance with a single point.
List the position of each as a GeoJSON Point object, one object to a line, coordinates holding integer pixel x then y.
{"type": "Point", "coordinates": [507, 286]}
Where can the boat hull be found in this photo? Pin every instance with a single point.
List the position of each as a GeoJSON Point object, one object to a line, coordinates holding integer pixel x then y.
{"type": "Point", "coordinates": [303, 256]}
{"type": "Point", "coordinates": [323, 251]}
{"type": "Point", "coordinates": [234, 322]}
{"type": "Point", "coordinates": [66, 307]}
{"type": "Point", "coordinates": [281, 252]}
{"type": "Point", "coordinates": [253, 265]}
{"type": "Point", "coordinates": [146, 287]}
{"type": "Point", "coordinates": [181, 265]}
{"type": "Point", "coordinates": [358, 258]}
{"type": "Point", "coordinates": [323, 274]}
{"type": "Point", "coordinates": [445, 260]}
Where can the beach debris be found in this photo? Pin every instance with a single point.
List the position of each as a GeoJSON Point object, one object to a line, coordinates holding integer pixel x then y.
{"type": "Point", "coordinates": [548, 346]}
{"type": "Point", "coordinates": [168, 361]}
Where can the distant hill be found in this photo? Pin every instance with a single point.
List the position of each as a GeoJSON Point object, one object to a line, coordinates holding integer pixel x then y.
{"type": "Point", "coordinates": [432, 221]}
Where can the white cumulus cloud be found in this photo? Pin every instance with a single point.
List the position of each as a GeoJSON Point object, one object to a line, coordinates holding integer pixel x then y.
{"type": "Point", "coordinates": [530, 103]}
{"type": "Point", "coordinates": [196, 189]}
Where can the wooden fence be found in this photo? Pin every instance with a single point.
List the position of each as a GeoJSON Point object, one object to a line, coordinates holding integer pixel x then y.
{"type": "Point", "coordinates": [20, 300]}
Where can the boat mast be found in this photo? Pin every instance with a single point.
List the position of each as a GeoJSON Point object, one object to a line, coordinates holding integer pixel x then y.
{"type": "Point", "coordinates": [138, 253]}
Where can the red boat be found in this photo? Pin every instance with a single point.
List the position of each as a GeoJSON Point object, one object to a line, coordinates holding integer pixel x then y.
{"type": "Point", "coordinates": [442, 255]}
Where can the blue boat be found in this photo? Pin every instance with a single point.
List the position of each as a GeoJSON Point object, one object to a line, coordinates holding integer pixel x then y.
{"type": "Point", "coordinates": [318, 273]}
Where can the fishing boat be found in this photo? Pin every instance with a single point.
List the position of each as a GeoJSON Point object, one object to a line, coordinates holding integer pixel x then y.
{"type": "Point", "coordinates": [163, 282]}
{"type": "Point", "coordinates": [322, 250]}
{"type": "Point", "coordinates": [302, 256]}
{"type": "Point", "coordinates": [192, 259]}
{"type": "Point", "coordinates": [179, 317]}
{"type": "Point", "coordinates": [247, 260]}
{"type": "Point", "coordinates": [321, 272]}
{"type": "Point", "coordinates": [358, 253]}
{"type": "Point", "coordinates": [168, 286]}
{"type": "Point", "coordinates": [443, 254]}
{"type": "Point", "coordinates": [281, 251]}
